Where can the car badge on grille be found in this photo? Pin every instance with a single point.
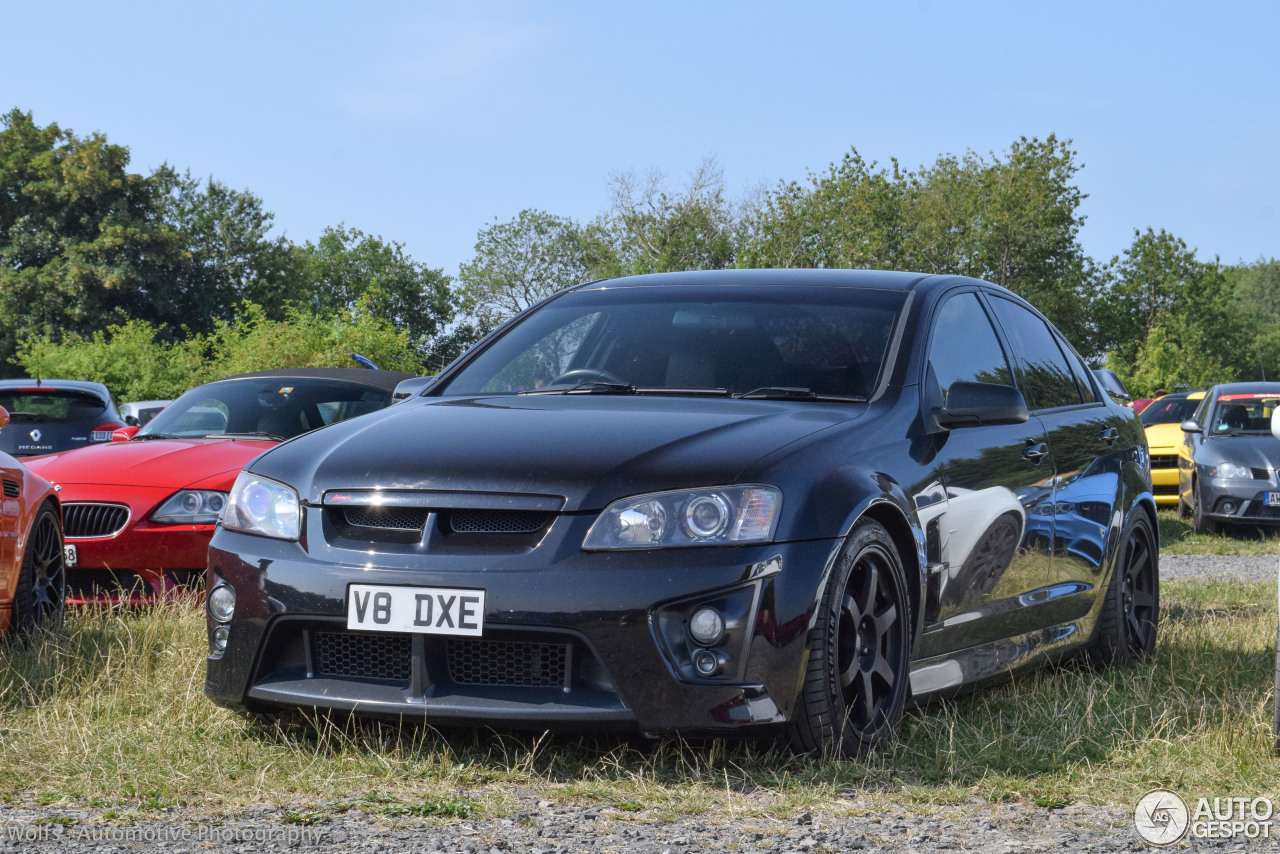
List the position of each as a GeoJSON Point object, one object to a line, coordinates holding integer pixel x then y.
{"type": "Point", "coordinates": [35, 435]}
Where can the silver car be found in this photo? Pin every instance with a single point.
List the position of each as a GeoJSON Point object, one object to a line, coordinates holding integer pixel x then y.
{"type": "Point", "coordinates": [1228, 461]}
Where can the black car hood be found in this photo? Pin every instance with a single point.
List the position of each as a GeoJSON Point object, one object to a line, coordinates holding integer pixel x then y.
{"type": "Point", "coordinates": [587, 449]}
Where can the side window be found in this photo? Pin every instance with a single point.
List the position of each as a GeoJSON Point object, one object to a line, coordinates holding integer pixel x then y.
{"type": "Point", "coordinates": [1047, 380]}
{"type": "Point", "coordinates": [1084, 377]}
{"type": "Point", "coordinates": [964, 346]}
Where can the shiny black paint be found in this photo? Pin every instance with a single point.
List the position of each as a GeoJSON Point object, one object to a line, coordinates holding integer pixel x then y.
{"type": "Point", "coordinates": [979, 608]}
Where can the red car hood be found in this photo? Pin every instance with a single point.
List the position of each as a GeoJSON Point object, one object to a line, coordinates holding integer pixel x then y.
{"type": "Point", "coordinates": [170, 463]}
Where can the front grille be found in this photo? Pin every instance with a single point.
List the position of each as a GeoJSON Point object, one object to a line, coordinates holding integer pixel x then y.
{"type": "Point", "coordinates": [12, 489]}
{"type": "Point", "coordinates": [498, 521]}
{"type": "Point", "coordinates": [1261, 474]}
{"type": "Point", "coordinates": [388, 518]}
{"type": "Point", "coordinates": [93, 520]}
{"type": "Point", "coordinates": [1164, 461]}
{"type": "Point", "coordinates": [1165, 489]}
{"type": "Point", "coordinates": [510, 663]}
{"type": "Point", "coordinates": [1098, 512]}
{"type": "Point", "coordinates": [385, 658]}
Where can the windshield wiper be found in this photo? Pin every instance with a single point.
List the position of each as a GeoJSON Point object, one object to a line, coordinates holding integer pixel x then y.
{"type": "Point", "coordinates": [252, 434]}
{"type": "Point", "coordinates": [588, 387]}
{"type": "Point", "coordinates": [148, 436]}
{"type": "Point", "coordinates": [772, 392]}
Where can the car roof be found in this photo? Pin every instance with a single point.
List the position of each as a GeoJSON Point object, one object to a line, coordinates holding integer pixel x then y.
{"type": "Point", "coordinates": [380, 379]}
{"type": "Point", "coordinates": [1247, 388]}
{"type": "Point", "coordinates": [886, 279]}
{"type": "Point", "coordinates": [84, 386]}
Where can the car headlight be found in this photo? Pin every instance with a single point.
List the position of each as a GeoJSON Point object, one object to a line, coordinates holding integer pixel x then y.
{"type": "Point", "coordinates": [190, 507]}
{"type": "Point", "coordinates": [726, 515]}
{"type": "Point", "coordinates": [264, 507]}
{"type": "Point", "coordinates": [1231, 470]}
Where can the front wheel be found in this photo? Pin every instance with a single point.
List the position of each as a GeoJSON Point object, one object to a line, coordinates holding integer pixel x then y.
{"type": "Point", "coordinates": [38, 600]}
{"type": "Point", "coordinates": [859, 651]}
{"type": "Point", "coordinates": [1200, 523]}
{"type": "Point", "coordinates": [1126, 633]}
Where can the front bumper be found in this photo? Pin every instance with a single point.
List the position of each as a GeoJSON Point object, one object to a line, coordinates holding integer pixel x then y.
{"type": "Point", "coordinates": [1164, 482]}
{"type": "Point", "coordinates": [1239, 500]}
{"type": "Point", "coordinates": [570, 636]}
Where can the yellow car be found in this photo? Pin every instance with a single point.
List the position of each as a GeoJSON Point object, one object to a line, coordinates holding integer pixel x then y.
{"type": "Point", "coordinates": [1162, 420]}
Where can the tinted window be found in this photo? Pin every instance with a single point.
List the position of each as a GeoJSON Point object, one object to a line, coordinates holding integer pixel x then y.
{"type": "Point", "coordinates": [1084, 383]}
{"type": "Point", "coordinates": [727, 340]}
{"type": "Point", "coordinates": [1046, 377]}
{"type": "Point", "coordinates": [45, 407]}
{"type": "Point", "coordinates": [278, 406]}
{"type": "Point", "coordinates": [1169, 410]}
{"type": "Point", "coordinates": [964, 346]}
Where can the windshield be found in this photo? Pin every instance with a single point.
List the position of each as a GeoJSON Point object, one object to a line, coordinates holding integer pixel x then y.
{"type": "Point", "coordinates": [1169, 410]}
{"type": "Point", "coordinates": [793, 342]}
{"type": "Point", "coordinates": [1243, 414]}
{"type": "Point", "coordinates": [270, 407]}
{"type": "Point", "coordinates": [52, 406]}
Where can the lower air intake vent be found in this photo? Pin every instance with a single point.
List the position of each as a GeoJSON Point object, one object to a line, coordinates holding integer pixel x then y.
{"type": "Point", "coordinates": [12, 489]}
{"type": "Point", "coordinates": [93, 520]}
{"type": "Point", "coordinates": [512, 663]}
{"type": "Point", "coordinates": [498, 521]}
{"type": "Point", "coordinates": [386, 658]}
{"type": "Point", "coordinates": [390, 518]}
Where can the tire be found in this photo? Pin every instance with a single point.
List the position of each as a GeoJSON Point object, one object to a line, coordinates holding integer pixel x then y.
{"type": "Point", "coordinates": [42, 581]}
{"type": "Point", "coordinates": [1184, 512]}
{"type": "Point", "coordinates": [855, 684]}
{"type": "Point", "coordinates": [1200, 523]}
{"type": "Point", "coordinates": [1130, 618]}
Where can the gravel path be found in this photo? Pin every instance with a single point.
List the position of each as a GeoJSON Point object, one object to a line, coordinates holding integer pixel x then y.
{"type": "Point", "coordinates": [1241, 567]}
{"type": "Point", "coordinates": [541, 826]}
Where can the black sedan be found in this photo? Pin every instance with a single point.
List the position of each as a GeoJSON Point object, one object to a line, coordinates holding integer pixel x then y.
{"type": "Point", "coordinates": [1229, 462]}
{"type": "Point", "coordinates": [699, 501]}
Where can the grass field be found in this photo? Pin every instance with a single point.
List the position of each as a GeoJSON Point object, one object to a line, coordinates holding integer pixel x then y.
{"type": "Point", "coordinates": [109, 715]}
{"type": "Point", "coordinates": [1178, 538]}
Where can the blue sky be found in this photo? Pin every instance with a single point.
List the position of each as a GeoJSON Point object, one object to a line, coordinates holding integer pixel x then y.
{"type": "Point", "coordinates": [423, 122]}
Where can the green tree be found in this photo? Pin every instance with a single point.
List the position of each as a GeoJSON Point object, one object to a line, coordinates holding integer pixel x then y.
{"type": "Point", "coordinates": [346, 269]}
{"type": "Point", "coordinates": [519, 263]}
{"type": "Point", "coordinates": [82, 242]}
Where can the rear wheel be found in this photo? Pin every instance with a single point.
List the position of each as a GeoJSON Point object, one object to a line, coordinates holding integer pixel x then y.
{"type": "Point", "coordinates": [1126, 634]}
{"type": "Point", "coordinates": [856, 682]}
{"type": "Point", "coordinates": [38, 601]}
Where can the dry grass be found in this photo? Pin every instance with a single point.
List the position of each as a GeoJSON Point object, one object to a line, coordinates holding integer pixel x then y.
{"type": "Point", "coordinates": [109, 714]}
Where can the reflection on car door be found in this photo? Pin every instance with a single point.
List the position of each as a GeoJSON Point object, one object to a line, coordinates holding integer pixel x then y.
{"type": "Point", "coordinates": [983, 563]}
{"type": "Point", "coordinates": [1082, 435]}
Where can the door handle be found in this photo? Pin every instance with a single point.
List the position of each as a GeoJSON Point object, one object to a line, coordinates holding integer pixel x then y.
{"type": "Point", "coordinates": [1108, 435]}
{"type": "Point", "coordinates": [1035, 452]}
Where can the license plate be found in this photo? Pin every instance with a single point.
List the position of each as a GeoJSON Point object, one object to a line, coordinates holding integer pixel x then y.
{"type": "Point", "coordinates": [69, 556]}
{"type": "Point", "coordinates": [425, 610]}
{"type": "Point", "coordinates": [1271, 499]}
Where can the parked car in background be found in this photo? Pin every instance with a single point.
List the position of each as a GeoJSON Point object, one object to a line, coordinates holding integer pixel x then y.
{"type": "Point", "coordinates": [1228, 460]}
{"type": "Point", "coordinates": [138, 413]}
{"type": "Point", "coordinates": [1162, 422]}
{"type": "Point", "coordinates": [781, 499]}
{"type": "Point", "coordinates": [32, 577]}
{"type": "Point", "coordinates": [46, 416]}
{"type": "Point", "coordinates": [139, 513]}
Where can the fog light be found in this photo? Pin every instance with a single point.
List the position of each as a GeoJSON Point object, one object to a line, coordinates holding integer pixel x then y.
{"type": "Point", "coordinates": [706, 662]}
{"type": "Point", "coordinates": [707, 626]}
{"type": "Point", "coordinates": [220, 636]}
{"type": "Point", "coordinates": [222, 603]}
{"type": "Point", "coordinates": [1228, 507]}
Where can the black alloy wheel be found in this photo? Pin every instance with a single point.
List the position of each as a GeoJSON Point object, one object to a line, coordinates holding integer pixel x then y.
{"type": "Point", "coordinates": [1130, 615]}
{"type": "Point", "coordinates": [855, 686]}
{"type": "Point", "coordinates": [38, 601]}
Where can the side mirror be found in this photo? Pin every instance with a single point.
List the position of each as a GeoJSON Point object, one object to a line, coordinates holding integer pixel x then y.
{"type": "Point", "coordinates": [4, 417]}
{"type": "Point", "coordinates": [132, 421]}
{"type": "Point", "coordinates": [981, 404]}
{"type": "Point", "coordinates": [1193, 426]}
{"type": "Point", "coordinates": [124, 434]}
{"type": "Point", "coordinates": [1112, 384]}
{"type": "Point", "coordinates": [1275, 421]}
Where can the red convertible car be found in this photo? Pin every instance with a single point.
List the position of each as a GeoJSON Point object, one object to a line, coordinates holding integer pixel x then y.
{"type": "Point", "coordinates": [139, 511]}
{"type": "Point", "coordinates": [32, 578]}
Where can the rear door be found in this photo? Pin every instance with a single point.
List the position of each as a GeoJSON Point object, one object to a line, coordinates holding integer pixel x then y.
{"type": "Point", "coordinates": [1088, 446]}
